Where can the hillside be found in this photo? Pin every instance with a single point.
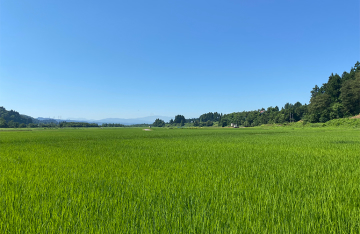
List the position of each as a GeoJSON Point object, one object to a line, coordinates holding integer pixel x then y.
{"type": "Point", "coordinates": [13, 118]}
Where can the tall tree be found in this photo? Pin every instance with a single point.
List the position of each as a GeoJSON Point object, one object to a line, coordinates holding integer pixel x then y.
{"type": "Point", "coordinates": [350, 95]}
{"type": "Point", "coordinates": [318, 107]}
{"type": "Point", "coordinates": [333, 87]}
{"type": "Point", "coordinates": [314, 91]}
{"type": "Point", "coordinates": [159, 123]}
{"type": "Point", "coordinates": [179, 118]}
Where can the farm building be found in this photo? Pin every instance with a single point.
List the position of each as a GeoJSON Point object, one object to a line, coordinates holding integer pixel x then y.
{"type": "Point", "coordinates": [234, 125]}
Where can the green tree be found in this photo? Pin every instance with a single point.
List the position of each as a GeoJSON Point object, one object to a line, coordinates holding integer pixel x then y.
{"type": "Point", "coordinates": [179, 118]}
{"type": "Point", "coordinates": [318, 105]}
{"type": "Point", "coordinates": [159, 123]}
{"type": "Point", "coordinates": [3, 123]}
{"type": "Point", "coordinates": [350, 95]}
{"type": "Point", "coordinates": [210, 116]}
{"type": "Point", "coordinates": [333, 87]}
{"type": "Point", "coordinates": [315, 91]}
{"type": "Point", "coordinates": [32, 125]}
{"type": "Point", "coordinates": [209, 123]}
{"type": "Point", "coordinates": [336, 110]}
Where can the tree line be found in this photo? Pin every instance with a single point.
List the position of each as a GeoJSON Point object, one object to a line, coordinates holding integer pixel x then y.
{"type": "Point", "coordinates": [337, 98]}
{"type": "Point", "coordinates": [77, 125]}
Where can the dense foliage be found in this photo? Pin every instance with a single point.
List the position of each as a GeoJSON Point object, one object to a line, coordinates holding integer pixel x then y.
{"type": "Point", "coordinates": [289, 113]}
{"type": "Point", "coordinates": [77, 124]}
{"type": "Point", "coordinates": [214, 117]}
{"type": "Point", "coordinates": [13, 119]}
{"type": "Point", "coordinates": [345, 122]}
{"type": "Point", "coordinates": [112, 125]}
{"type": "Point", "coordinates": [339, 97]}
{"type": "Point", "coordinates": [159, 123]}
{"type": "Point", "coordinates": [179, 119]}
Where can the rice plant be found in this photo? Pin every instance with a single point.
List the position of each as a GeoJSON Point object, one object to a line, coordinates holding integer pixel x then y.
{"type": "Point", "coordinates": [209, 180]}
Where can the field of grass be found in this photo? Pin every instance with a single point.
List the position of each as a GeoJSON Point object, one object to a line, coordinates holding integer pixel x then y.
{"type": "Point", "coordinates": [209, 180]}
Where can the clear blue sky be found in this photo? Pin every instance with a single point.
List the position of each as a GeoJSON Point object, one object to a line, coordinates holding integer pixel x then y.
{"type": "Point", "coordinates": [127, 59]}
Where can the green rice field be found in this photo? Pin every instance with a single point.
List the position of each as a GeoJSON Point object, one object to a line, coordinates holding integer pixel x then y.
{"type": "Point", "coordinates": [206, 180]}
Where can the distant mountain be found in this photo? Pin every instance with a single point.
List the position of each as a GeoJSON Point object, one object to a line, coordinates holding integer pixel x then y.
{"type": "Point", "coordinates": [51, 120]}
{"type": "Point", "coordinates": [45, 119]}
{"type": "Point", "coordinates": [79, 119]}
{"type": "Point", "coordinates": [146, 120]}
{"type": "Point", "coordinates": [14, 116]}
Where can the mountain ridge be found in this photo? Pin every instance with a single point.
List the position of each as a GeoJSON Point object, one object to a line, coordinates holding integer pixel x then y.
{"type": "Point", "coordinates": [130, 121]}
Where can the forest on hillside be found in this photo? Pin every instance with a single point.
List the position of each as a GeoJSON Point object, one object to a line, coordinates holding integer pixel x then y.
{"type": "Point", "coordinates": [337, 98]}
{"type": "Point", "coordinates": [13, 119]}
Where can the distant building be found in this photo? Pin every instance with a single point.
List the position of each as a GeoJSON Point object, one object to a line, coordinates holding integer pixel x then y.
{"type": "Point", "coordinates": [234, 125]}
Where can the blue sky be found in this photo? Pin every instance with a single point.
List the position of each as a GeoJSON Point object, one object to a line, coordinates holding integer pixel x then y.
{"type": "Point", "coordinates": [127, 59]}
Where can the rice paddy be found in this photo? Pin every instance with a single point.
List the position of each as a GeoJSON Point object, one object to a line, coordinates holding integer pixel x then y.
{"type": "Point", "coordinates": [126, 180]}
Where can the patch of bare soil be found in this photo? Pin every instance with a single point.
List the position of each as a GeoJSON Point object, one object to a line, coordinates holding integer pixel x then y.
{"type": "Point", "coordinates": [356, 117]}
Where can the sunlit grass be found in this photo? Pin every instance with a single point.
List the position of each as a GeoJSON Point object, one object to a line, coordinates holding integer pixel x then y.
{"type": "Point", "coordinates": [180, 181]}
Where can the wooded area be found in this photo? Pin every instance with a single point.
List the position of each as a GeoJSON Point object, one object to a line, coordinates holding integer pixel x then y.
{"type": "Point", "coordinates": [338, 98]}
